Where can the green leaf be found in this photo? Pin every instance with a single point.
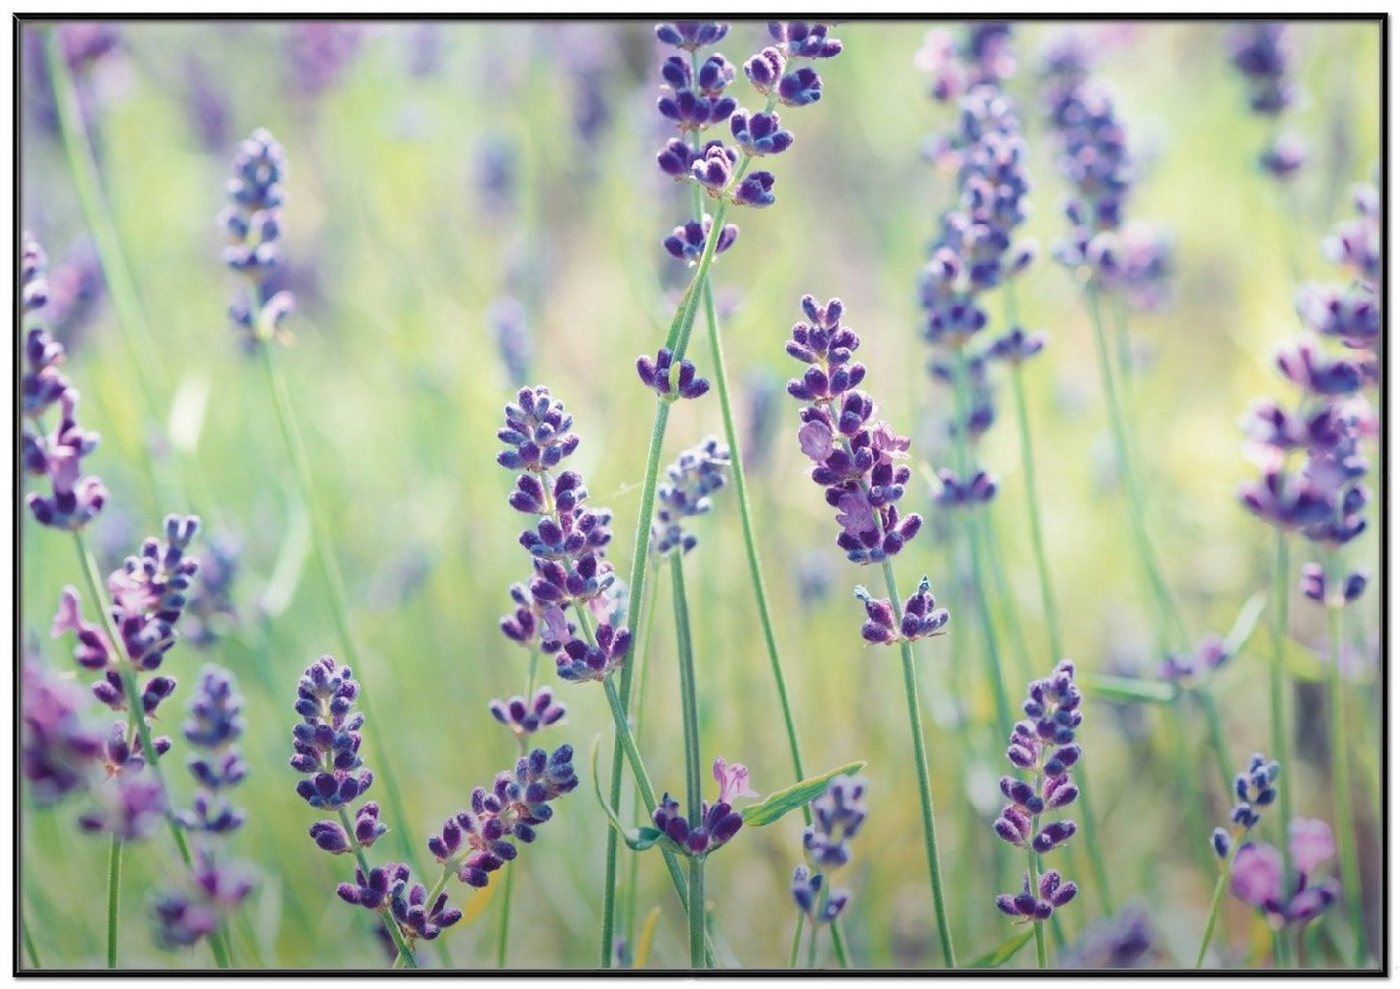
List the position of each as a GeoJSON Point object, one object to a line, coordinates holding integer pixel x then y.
{"type": "Point", "coordinates": [1129, 690]}
{"type": "Point", "coordinates": [639, 840]}
{"type": "Point", "coordinates": [1245, 623]}
{"type": "Point", "coordinates": [1003, 952]}
{"type": "Point", "coordinates": [775, 805]}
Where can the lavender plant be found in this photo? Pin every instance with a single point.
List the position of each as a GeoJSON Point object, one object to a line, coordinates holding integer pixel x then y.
{"type": "Point", "coordinates": [837, 817]}
{"type": "Point", "coordinates": [252, 223]}
{"type": "Point", "coordinates": [855, 461]}
{"type": "Point", "coordinates": [1254, 789]}
{"type": "Point", "coordinates": [1287, 901]}
{"type": "Point", "coordinates": [1262, 52]}
{"type": "Point", "coordinates": [217, 885]}
{"type": "Point", "coordinates": [1043, 748]}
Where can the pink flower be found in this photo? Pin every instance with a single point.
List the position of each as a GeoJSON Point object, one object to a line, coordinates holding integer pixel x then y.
{"type": "Point", "coordinates": [815, 439]}
{"type": "Point", "coordinates": [854, 513]}
{"type": "Point", "coordinates": [733, 780]}
{"type": "Point", "coordinates": [887, 444]}
{"type": "Point", "coordinates": [1309, 843]}
{"type": "Point", "coordinates": [1257, 876]}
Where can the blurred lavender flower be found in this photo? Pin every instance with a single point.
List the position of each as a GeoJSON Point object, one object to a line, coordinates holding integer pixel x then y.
{"type": "Point", "coordinates": [57, 752]}
{"type": "Point", "coordinates": [854, 458]}
{"type": "Point", "coordinates": [1261, 52]}
{"type": "Point", "coordinates": [982, 57]}
{"type": "Point", "coordinates": [475, 843]}
{"type": "Point", "coordinates": [216, 886]}
{"type": "Point", "coordinates": [718, 822]}
{"type": "Point", "coordinates": [1126, 940]}
{"type": "Point", "coordinates": [697, 473]}
{"type": "Point", "coordinates": [318, 53]}
{"type": "Point", "coordinates": [75, 288]}
{"type": "Point", "coordinates": [510, 328]}
{"type": "Point", "coordinates": [1191, 669]}
{"type": "Point", "coordinates": [129, 807]}
{"type": "Point", "coordinates": [206, 105]}
{"type": "Point", "coordinates": [837, 817]}
{"type": "Point", "coordinates": [1257, 876]}
{"type": "Point", "coordinates": [1042, 746]}
{"type": "Point", "coordinates": [761, 390]}
{"type": "Point", "coordinates": [253, 224]}
{"type": "Point", "coordinates": [210, 608]}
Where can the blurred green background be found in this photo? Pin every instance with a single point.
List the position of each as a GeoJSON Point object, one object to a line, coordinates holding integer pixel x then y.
{"type": "Point", "coordinates": [436, 169]}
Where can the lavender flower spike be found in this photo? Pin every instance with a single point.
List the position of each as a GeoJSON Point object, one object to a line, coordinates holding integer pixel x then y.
{"type": "Point", "coordinates": [719, 822]}
{"type": "Point", "coordinates": [1043, 747]}
{"type": "Point", "coordinates": [837, 817]}
{"type": "Point", "coordinates": [57, 752]}
{"type": "Point", "coordinates": [697, 474]}
{"type": "Point", "coordinates": [253, 224]}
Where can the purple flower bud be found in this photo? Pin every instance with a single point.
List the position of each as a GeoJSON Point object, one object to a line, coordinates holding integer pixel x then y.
{"type": "Point", "coordinates": [756, 189]}
{"type": "Point", "coordinates": [800, 87]}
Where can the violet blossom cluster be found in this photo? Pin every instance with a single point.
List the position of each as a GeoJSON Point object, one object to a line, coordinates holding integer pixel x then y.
{"type": "Point", "coordinates": [956, 66]}
{"type": "Point", "coordinates": [57, 750]}
{"type": "Point", "coordinates": [566, 544]}
{"type": "Point", "coordinates": [216, 885]}
{"type": "Point", "coordinates": [1254, 790]}
{"type": "Point", "coordinates": [1311, 456]}
{"type": "Point", "coordinates": [717, 823]}
{"type": "Point", "coordinates": [1042, 747]}
{"type": "Point", "coordinates": [476, 842]}
{"type": "Point", "coordinates": [524, 716]}
{"type": "Point", "coordinates": [1262, 52]}
{"type": "Point", "coordinates": [253, 224]}
{"type": "Point", "coordinates": [837, 817]}
{"type": "Point", "coordinates": [685, 494]}
{"type": "Point", "coordinates": [919, 619]}
{"type": "Point", "coordinates": [74, 499]}
{"type": "Point", "coordinates": [1258, 878]}
{"type": "Point", "coordinates": [1134, 258]}
{"type": "Point", "coordinates": [855, 457]}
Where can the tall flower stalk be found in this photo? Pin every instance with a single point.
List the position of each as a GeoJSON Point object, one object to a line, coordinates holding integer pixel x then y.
{"type": "Point", "coordinates": [858, 463]}
{"type": "Point", "coordinates": [1254, 788]}
{"type": "Point", "coordinates": [253, 224]}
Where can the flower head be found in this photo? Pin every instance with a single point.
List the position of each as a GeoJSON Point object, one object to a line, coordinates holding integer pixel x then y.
{"type": "Point", "coordinates": [696, 475]}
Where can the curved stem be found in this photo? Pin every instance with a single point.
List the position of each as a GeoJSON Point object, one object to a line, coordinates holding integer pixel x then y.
{"type": "Point", "coordinates": [916, 731]}
{"type": "Point", "coordinates": [114, 890]}
{"type": "Point", "coordinates": [796, 940]}
{"type": "Point", "coordinates": [1341, 769]}
{"type": "Point", "coordinates": [334, 584]}
{"type": "Point", "coordinates": [1215, 901]}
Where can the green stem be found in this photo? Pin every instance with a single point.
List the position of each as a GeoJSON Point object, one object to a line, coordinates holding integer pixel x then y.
{"type": "Point", "coordinates": [321, 545]}
{"type": "Point", "coordinates": [503, 936]}
{"type": "Point", "coordinates": [1215, 900]}
{"type": "Point", "coordinates": [1001, 587]}
{"type": "Point", "coordinates": [1278, 716]}
{"type": "Point", "coordinates": [405, 956]}
{"type": "Point", "coordinates": [114, 890]}
{"type": "Point", "coordinates": [916, 731]}
{"type": "Point", "coordinates": [1341, 769]}
{"type": "Point", "coordinates": [696, 909]}
{"type": "Point", "coordinates": [30, 947]}
{"type": "Point", "coordinates": [796, 940]}
{"type": "Point", "coordinates": [1042, 960]}
{"type": "Point", "coordinates": [642, 651]}
{"type": "Point", "coordinates": [741, 494]}
{"type": "Point", "coordinates": [1171, 623]}
{"type": "Point", "coordinates": [1216, 730]}
{"type": "Point", "coordinates": [92, 577]}
{"type": "Point", "coordinates": [1042, 565]}
{"type": "Point", "coordinates": [812, 946]}
{"type": "Point", "coordinates": [690, 722]}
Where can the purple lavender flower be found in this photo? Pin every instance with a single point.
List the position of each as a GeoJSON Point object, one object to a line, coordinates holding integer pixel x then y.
{"type": "Point", "coordinates": [1257, 876]}
{"type": "Point", "coordinates": [982, 57]}
{"type": "Point", "coordinates": [253, 223]}
{"type": "Point", "coordinates": [1314, 584]}
{"type": "Point", "coordinates": [1261, 52]}
{"type": "Point", "coordinates": [537, 432]}
{"type": "Point", "coordinates": [837, 817]}
{"type": "Point", "coordinates": [510, 328]}
{"type": "Point", "coordinates": [318, 53]}
{"type": "Point", "coordinates": [1128, 940]}
{"type": "Point", "coordinates": [525, 717]}
{"type": "Point", "coordinates": [1190, 669]}
{"type": "Point", "coordinates": [1042, 746]}
{"type": "Point", "coordinates": [854, 459]}
{"type": "Point", "coordinates": [1284, 156]}
{"type": "Point", "coordinates": [129, 807]}
{"type": "Point", "coordinates": [921, 618]}
{"type": "Point", "coordinates": [1254, 790]}
{"type": "Point", "coordinates": [687, 241]}
{"type": "Point", "coordinates": [718, 822]}
{"type": "Point", "coordinates": [697, 474]}
{"type": "Point", "coordinates": [656, 375]}
{"type": "Point", "coordinates": [1016, 346]}
{"type": "Point", "coordinates": [475, 843]}
{"type": "Point", "coordinates": [210, 610]}
{"type": "Point", "coordinates": [327, 741]}
{"type": "Point", "coordinates": [759, 133]}
{"type": "Point", "coordinates": [184, 916]}
{"type": "Point", "coordinates": [690, 35]}
{"type": "Point", "coordinates": [57, 752]}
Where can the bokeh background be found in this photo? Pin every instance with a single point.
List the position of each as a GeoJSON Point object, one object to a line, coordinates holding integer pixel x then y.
{"type": "Point", "coordinates": [447, 179]}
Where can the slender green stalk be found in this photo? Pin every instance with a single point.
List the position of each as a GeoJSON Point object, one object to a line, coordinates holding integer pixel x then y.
{"type": "Point", "coordinates": [1042, 960]}
{"type": "Point", "coordinates": [321, 545]}
{"type": "Point", "coordinates": [796, 940]}
{"type": "Point", "coordinates": [30, 948]}
{"type": "Point", "coordinates": [1215, 900]}
{"type": "Point", "coordinates": [642, 651]}
{"type": "Point", "coordinates": [114, 896]}
{"type": "Point", "coordinates": [503, 934]}
{"type": "Point", "coordinates": [812, 946]}
{"type": "Point", "coordinates": [1341, 768]}
{"type": "Point", "coordinates": [1216, 729]}
{"type": "Point", "coordinates": [1278, 716]}
{"type": "Point", "coordinates": [1042, 564]}
{"type": "Point", "coordinates": [741, 495]}
{"type": "Point", "coordinates": [405, 956]}
{"type": "Point", "coordinates": [690, 721]}
{"type": "Point", "coordinates": [916, 731]}
{"type": "Point", "coordinates": [1171, 623]}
